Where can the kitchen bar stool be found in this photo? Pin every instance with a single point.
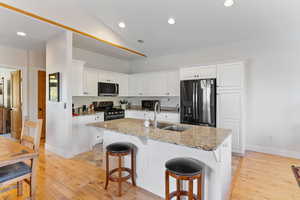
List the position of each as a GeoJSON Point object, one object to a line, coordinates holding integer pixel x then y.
{"type": "Point", "coordinates": [187, 169]}
{"type": "Point", "coordinates": [120, 149]}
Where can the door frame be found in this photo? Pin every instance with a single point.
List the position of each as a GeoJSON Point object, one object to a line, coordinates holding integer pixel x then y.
{"type": "Point", "coordinates": [24, 87]}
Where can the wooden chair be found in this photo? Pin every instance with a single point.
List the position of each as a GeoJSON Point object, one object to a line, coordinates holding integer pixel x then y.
{"type": "Point", "coordinates": [16, 170]}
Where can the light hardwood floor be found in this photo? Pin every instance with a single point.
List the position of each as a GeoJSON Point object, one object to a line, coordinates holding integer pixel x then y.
{"type": "Point", "coordinates": [265, 177]}
{"type": "Point", "coordinates": [258, 177]}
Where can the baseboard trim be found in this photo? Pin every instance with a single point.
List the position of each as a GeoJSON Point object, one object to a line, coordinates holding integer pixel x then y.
{"type": "Point", "coordinates": [58, 151]}
{"type": "Point", "coordinates": [270, 150]}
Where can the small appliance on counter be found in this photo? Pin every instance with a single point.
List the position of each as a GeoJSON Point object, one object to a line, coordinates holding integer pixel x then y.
{"type": "Point", "coordinates": [149, 104]}
{"type": "Point", "coordinates": [110, 113]}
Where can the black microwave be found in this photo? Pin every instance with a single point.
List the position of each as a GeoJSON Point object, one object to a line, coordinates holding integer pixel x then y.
{"type": "Point", "coordinates": [108, 89]}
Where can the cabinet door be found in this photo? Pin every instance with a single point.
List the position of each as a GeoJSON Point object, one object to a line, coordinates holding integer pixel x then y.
{"type": "Point", "coordinates": [229, 105]}
{"type": "Point", "coordinates": [107, 77]}
{"type": "Point", "coordinates": [134, 86]}
{"type": "Point", "coordinates": [156, 84]}
{"type": "Point", "coordinates": [188, 73]}
{"type": "Point", "coordinates": [173, 83]}
{"type": "Point", "coordinates": [201, 72]}
{"type": "Point", "coordinates": [90, 82]}
{"type": "Point", "coordinates": [122, 80]}
{"type": "Point", "coordinates": [140, 85]}
{"type": "Point", "coordinates": [230, 76]}
{"type": "Point", "coordinates": [77, 78]}
{"type": "Point", "coordinates": [235, 127]}
{"type": "Point", "coordinates": [229, 116]}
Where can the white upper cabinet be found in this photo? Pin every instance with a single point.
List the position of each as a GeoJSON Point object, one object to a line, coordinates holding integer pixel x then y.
{"type": "Point", "coordinates": [164, 83]}
{"type": "Point", "coordinates": [85, 82]}
{"type": "Point", "coordinates": [137, 85]}
{"type": "Point", "coordinates": [156, 84]}
{"type": "Point", "coordinates": [122, 80]}
{"type": "Point", "coordinates": [230, 76]}
{"type": "Point", "coordinates": [77, 77]}
{"type": "Point", "coordinates": [173, 83]}
{"type": "Point", "coordinates": [90, 82]}
{"type": "Point", "coordinates": [107, 77]}
{"type": "Point", "coordinates": [201, 72]}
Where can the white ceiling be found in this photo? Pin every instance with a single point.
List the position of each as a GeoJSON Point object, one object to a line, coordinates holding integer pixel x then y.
{"type": "Point", "coordinates": [37, 32]}
{"type": "Point", "coordinates": [95, 46]}
{"type": "Point", "coordinates": [199, 23]}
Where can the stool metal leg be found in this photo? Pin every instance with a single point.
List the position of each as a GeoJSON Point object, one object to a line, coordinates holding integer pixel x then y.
{"type": "Point", "coordinates": [191, 194]}
{"type": "Point", "coordinates": [120, 175]}
{"type": "Point", "coordinates": [133, 167]}
{"type": "Point", "coordinates": [199, 197]}
{"type": "Point", "coordinates": [167, 185]}
{"type": "Point", "coordinates": [107, 171]}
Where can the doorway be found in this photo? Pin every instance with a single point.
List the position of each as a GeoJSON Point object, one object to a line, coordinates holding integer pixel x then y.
{"type": "Point", "coordinates": [10, 102]}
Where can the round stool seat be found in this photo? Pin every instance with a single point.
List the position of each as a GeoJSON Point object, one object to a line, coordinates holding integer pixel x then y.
{"type": "Point", "coordinates": [119, 147]}
{"type": "Point", "coordinates": [184, 166]}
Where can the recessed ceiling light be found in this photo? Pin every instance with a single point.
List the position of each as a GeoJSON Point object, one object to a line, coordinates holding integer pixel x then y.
{"type": "Point", "coordinates": [171, 21]}
{"type": "Point", "coordinates": [228, 3]}
{"type": "Point", "coordinates": [122, 25]}
{"type": "Point", "coordinates": [21, 34]}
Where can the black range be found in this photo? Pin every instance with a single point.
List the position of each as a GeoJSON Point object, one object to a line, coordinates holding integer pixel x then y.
{"type": "Point", "coordinates": [110, 113]}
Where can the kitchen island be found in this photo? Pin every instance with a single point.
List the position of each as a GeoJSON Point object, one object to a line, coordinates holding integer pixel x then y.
{"type": "Point", "coordinates": [155, 146]}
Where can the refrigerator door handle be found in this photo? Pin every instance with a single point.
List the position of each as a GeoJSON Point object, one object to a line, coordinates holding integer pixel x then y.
{"type": "Point", "coordinates": [208, 96]}
{"type": "Point", "coordinates": [194, 96]}
{"type": "Point", "coordinates": [204, 100]}
{"type": "Point", "coordinates": [196, 101]}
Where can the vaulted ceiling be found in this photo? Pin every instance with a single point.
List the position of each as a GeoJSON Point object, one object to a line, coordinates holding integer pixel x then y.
{"type": "Point", "coordinates": [199, 23]}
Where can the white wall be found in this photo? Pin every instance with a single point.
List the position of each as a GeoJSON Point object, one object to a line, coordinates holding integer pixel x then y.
{"type": "Point", "coordinates": [59, 114]}
{"type": "Point", "coordinates": [273, 88]}
{"type": "Point", "coordinates": [101, 61]}
{"type": "Point", "coordinates": [29, 61]}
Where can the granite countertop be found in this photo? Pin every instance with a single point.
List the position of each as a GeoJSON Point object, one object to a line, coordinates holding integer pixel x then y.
{"type": "Point", "coordinates": [201, 137]}
{"type": "Point", "coordinates": [163, 109]}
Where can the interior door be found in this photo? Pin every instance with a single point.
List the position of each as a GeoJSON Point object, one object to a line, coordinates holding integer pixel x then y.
{"type": "Point", "coordinates": [16, 104]}
{"type": "Point", "coordinates": [42, 100]}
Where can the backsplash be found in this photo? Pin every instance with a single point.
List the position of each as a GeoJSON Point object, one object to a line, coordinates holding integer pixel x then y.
{"type": "Point", "coordinates": [79, 101]}
{"type": "Point", "coordinates": [165, 101]}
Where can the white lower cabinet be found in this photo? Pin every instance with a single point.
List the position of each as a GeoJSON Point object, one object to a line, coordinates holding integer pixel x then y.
{"type": "Point", "coordinates": [84, 137]}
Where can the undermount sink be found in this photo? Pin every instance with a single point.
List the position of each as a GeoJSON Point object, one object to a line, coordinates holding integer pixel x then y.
{"type": "Point", "coordinates": [177, 128]}
{"type": "Point", "coordinates": [162, 125]}
{"type": "Point", "coordinates": [171, 127]}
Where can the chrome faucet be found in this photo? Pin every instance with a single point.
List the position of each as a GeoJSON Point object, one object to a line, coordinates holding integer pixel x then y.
{"type": "Point", "coordinates": [156, 111]}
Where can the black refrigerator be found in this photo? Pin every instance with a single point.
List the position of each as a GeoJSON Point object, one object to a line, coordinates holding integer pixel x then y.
{"type": "Point", "coordinates": [198, 102]}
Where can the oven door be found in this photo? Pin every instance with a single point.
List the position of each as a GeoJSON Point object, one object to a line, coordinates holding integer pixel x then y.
{"type": "Point", "coordinates": [108, 89]}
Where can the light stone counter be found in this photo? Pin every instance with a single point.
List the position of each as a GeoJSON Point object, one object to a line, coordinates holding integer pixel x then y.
{"type": "Point", "coordinates": [205, 138]}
